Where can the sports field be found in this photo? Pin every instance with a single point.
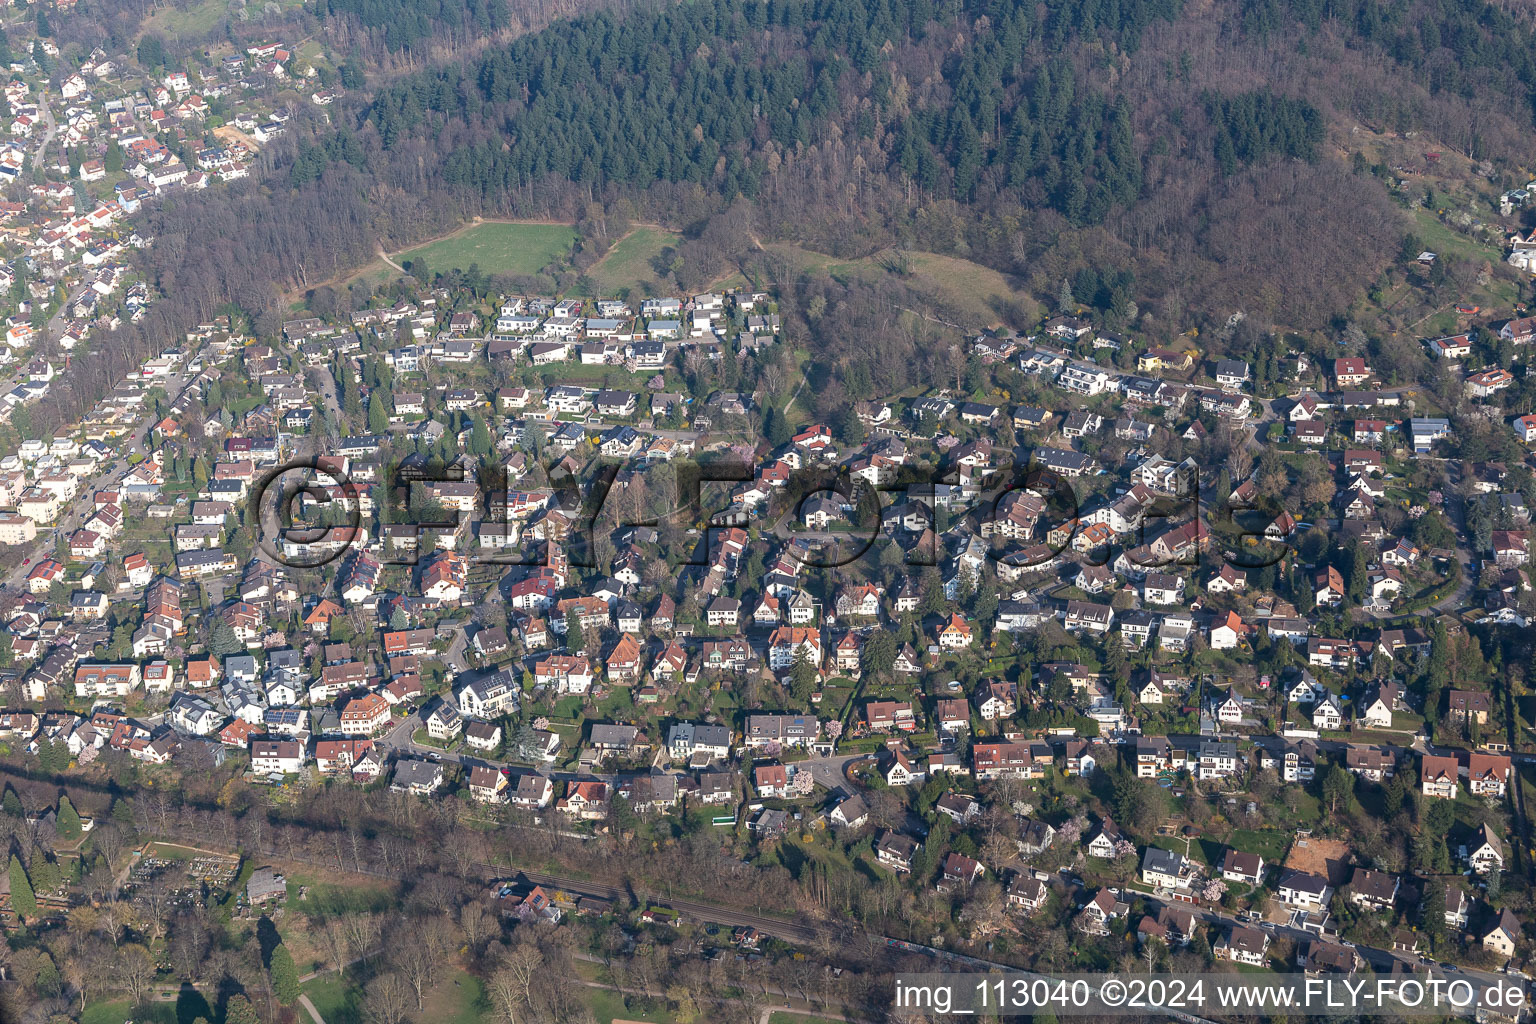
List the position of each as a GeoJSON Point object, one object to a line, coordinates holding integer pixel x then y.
{"type": "Point", "coordinates": [496, 247]}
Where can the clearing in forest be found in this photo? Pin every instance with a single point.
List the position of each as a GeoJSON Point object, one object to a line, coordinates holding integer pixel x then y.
{"type": "Point", "coordinates": [627, 266]}
{"type": "Point", "coordinates": [496, 247]}
{"type": "Point", "coordinates": [970, 291]}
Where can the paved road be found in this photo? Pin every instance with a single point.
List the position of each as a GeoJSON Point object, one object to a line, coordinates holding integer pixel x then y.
{"type": "Point", "coordinates": [1457, 511]}
{"type": "Point", "coordinates": [399, 738]}
{"type": "Point", "coordinates": [829, 772]}
{"type": "Point", "coordinates": [804, 932]}
{"type": "Point", "coordinates": [106, 478]}
{"type": "Point", "coordinates": [798, 932]}
{"type": "Point", "coordinates": [597, 426]}
{"type": "Point", "coordinates": [399, 742]}
{"type": "Point", "coordinates": [455, 657]}
{"type": "Point", "coordinates": [326, 382]}
{"type": "Point", "coordinates": [53, 129]}
{"type": "Point", "coordinates": [1276, 744]}
{"type": "Point", "coordinates": [55, 325]}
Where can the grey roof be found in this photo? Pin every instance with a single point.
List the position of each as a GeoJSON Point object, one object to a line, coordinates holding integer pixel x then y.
{"type": "Point", "coordinates": [411, 772]}
{"type": "Point", "coordinates": [486, 686]}
{"type": "Point", "coordinates": [286, 657]}
{"type": "Point", "coordinates": [1248, 940]}
{"type": "Point", "coordinates": [613, 735]}
{"type": "Point", "coordinates": [894, 843]}
{"type": "Point", "coordinates": [779, 727]}
{"type": "Point", "coordinates": [711, 736]}
{"type": "Point", "coordinates": [479, 730]}
{"type": "Point", "coordinates": [1162, 861]}
{"type": "Point", "coordinates": [265, 883]}
{"type": "Point", "coordinates": [1062, 458]}
{"type": "Point", "coordinates": [853, 808]}
{"type": "Point", "coordinates": [1303, 881]}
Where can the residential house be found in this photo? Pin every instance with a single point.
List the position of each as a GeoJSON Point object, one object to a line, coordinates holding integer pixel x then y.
{"type": "Point", "coordinates": [1166, 870]}
{"type": "Point", "coordinates": [1304, 890]}
{"type": "Point", "coordinates": [1373, 890]}
{"type": "Point", "coordinates": [1487, 774]}
{"type": "Point", "coordinates": [896, 851]}
{"type": "Point", "coordinates": [1243, 945]}
{"type": "Point", "coordinates": [1237, 866]}
{"type": "Point", "coordinates": [1438, 776]}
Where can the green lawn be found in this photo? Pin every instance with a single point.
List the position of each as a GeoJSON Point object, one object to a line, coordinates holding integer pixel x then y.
{"type": "Point", "coordinates": [1441, 238]}
{"type": "Point", "coordinates": [795, 855]}
{"type": "Point", "coordinates": [326, 900]}
{"type": "Point", "coordinates": [313, 51]}
{"type": "Point", "coordinates": [1269, 845]}
{"type": "Point", "coordinates": [170, 851]}
{"type": "Point", "coordinates": [424, 738]}
{"type": "Point", "coordinates": [607, 1007]}
{"type": "Point", "coordinates": [627, 266]}
{"type": "Point", "coordinates": [784, 1017]}
{"type": "Point", "coordinates": [1309, 809]}
{"type": "Point", "coordinates": [458, 999]}
{"type": "Point", "coordinates": [1406, 306]}
{"type": "Point", "coordinates": [568, 707]}
{"type": "Point", "coordinates": [497, 248]}
{"type": "Point", "coordinates": [972, 291]}
{"type": "Point", "coordinates": [975, 289]}
{"type": "Point", "coordinates": [335, 998]}
{"type": "Point", "coordinates": [196, 20]}
{"type": "Point", "coordinates": [1199, 851]}
{"type": "Point", "coordinates": [606, 376]}
{"type": "Point", "coordinates": [114, 1012]}
{"type": "Point", "coordinates": [119, 1010]}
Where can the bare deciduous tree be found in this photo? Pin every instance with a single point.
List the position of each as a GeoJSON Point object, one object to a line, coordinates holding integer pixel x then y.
{"type": "Point", "coordinates": [478, 925]}
{"type": "Point", "coordinates": [387, 1000]}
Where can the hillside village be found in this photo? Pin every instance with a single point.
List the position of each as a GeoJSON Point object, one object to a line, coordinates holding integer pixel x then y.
{"type": "Point", "coordinates": [86, 145]}
{"type": "Point", "coordinates": [1078, 668]}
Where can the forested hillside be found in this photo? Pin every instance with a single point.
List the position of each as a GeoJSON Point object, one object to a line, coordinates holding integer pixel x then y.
{"type": "Point", "coordinates": [994, 131]}
{"type": "Point", "coordinates": [402, 25]}
{"type": "Point", "coordinates": [1194, 154]}
{"type": "Point", "coordinates": [388, 35]}
{"type": "Point", "coordinates": [722, 92]}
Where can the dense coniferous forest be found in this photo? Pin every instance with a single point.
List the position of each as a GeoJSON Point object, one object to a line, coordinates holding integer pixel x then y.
{"type": "Point", "coordinates": [1258, 125]}
{"type": "Point", "coordinates": [720, 92]}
